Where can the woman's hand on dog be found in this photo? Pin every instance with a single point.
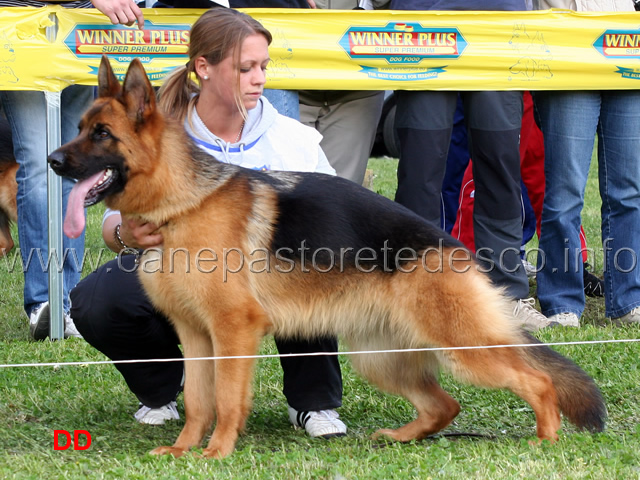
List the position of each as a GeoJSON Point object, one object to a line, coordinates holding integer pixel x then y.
{"type": "Point", "coordinates": [134, 233]}
{"type": "Point", "coordinates": [138, 234]}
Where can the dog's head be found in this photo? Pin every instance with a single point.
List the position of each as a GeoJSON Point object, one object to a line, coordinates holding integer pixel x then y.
{"type": "Point", "coordinates": [117, 142]}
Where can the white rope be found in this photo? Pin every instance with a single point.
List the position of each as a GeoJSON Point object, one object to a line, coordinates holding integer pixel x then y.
{"type": "Point", "coordinates": [314, 354]}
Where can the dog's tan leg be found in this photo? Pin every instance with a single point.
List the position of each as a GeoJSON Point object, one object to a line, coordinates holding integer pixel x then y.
{"type": "Point", "coordinates": [8, 207]}
{"type": "Point", "coordinates": [241, 336]}
{"type": "Point", "coordinates": [233, 379]}
{"type": "Point", "coordinates": [436, 409]}
{"type": "Point", "coordinates": [6, 241]}
{"type": "Point", "coordinates": [505, 368]}
{"type": "Point", "coordinates": [8, 204]}
{"type": "Point", "coordinates": [412, 375]}
{"type": "Point", "coordinates": [199, 399]}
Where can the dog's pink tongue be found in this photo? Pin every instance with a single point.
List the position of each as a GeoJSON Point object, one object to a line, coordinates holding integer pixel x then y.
{"type": "Point", "coordinates": [74, 219]}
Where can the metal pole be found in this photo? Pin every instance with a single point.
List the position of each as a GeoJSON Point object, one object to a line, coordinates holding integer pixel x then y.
{"type": "Point", "coordinates": [54, 207]}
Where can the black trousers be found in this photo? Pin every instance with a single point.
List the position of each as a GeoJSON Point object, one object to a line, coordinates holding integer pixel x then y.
{"type": "Point", "coordinates": [111, 311]}
{"type": "Point", "coordinates": [424, 124]}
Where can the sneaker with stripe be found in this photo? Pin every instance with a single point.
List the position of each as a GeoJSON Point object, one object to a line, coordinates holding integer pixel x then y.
{"type": "Point", "coordinates": [323, 423]}
{"type": "Point", "coordinates": [157, 416]}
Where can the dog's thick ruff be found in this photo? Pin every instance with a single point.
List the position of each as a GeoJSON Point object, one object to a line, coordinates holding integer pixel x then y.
{"type": "Point", "coordinates": [301, 255]}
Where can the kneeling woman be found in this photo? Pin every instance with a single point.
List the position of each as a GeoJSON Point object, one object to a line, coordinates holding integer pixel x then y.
{"type": "Point", "coordinates": [227, 116]}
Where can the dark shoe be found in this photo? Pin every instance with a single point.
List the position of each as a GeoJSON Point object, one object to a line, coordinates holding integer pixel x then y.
{"type": "Point", "coordinates": [593, 286]}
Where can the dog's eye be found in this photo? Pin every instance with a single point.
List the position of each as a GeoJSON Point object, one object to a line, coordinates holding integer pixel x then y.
{"type": "Point", "coordinates": [101, 134]}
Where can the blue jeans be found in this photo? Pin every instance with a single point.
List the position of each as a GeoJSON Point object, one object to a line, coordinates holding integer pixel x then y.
{"type": "Point", "coordinates": [26, 112]}
{"type": "Point", "coordinates": [570, 122]}
{"type": "Point", "coordinates": [284, 101]}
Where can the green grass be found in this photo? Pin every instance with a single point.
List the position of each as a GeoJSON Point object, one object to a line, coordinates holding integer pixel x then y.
{"type": "Point", "coordinates": [35, 401]}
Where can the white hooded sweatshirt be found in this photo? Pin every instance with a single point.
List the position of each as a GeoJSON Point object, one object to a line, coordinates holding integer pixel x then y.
{"type": "Point", "coordinates": [270, 141]}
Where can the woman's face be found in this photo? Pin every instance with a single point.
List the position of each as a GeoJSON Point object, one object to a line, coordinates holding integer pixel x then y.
{"type": "Point", "coordinates": [254, 57]}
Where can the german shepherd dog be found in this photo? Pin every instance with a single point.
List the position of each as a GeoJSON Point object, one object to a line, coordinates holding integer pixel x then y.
{"type": "Point", "coordinates": [8, 187]}
{"type": "Point", "coordinates": [329, 258]}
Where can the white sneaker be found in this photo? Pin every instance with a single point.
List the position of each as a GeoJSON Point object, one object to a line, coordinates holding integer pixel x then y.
{"type": "Point", "coordinates": [40, 321]}
{"type": "Point", "coordinates": [629, 318]}
{"type": "Point", "coordinates": [324, 423]}
{"type": "Point", "coordinates": [70, 329]}
{"type": "Point", "coordinates": [527, 316]}
{"type": "Point", "coordinates": [157, 416]}
{"type": "Point", "coordinates": [565, 319]}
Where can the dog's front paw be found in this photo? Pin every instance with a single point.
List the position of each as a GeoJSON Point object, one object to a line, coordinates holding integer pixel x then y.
{"type": "Point", "coordinates": [176, 452]}
{"type": "Point", "coordinates": [219, 453]}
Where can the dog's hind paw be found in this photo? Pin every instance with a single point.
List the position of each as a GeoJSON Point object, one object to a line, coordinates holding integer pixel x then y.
{"type": "Point", "coordinates": [176, 452]}
{"type": "Point", "coordinates": [411, 431]}
{"type": "Point", "coordinates": [385, 434]}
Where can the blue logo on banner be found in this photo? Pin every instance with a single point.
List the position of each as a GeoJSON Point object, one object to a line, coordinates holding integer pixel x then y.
{"type": "Point", "coordinates": [412, 75]}
{"type": "Point", "coordinates": [631, 73]}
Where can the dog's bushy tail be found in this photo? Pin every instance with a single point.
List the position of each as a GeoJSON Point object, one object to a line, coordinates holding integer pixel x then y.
{"type": "Point", "coordinates": [579, 398]}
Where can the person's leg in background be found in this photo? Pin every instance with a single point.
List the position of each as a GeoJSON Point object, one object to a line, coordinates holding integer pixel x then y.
{"type": "Point", "coordinates": [529, 223]}
{"type": "Point", "coordinates": [532, 158]}
{"type": "Point", "coordinates": [619, 180]}
{"type": "Point", "coordinates": [284, 101]}
{"type": "Point", "coordinates": [424, 123]}
{"type": "Point", "coordinates": [463, 226]}
{"type": "Point", "coordinates": [494, 122]}
{"type": "Point", "coordinates": [568, 121]}
{"type": "Point", "coordinates": [312, 386]}
{"type": "Point", "coordinates": [348, 128]}
{"type": "Point", "coordinates": [532, 169]}
{"type": "Point", "coordinates": [26, 113]}
{"type": "Point", "coordinates": [457, 162]}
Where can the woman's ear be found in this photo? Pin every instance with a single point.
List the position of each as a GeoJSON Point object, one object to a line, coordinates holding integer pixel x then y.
{"type": "Point", "coordinates": [202, 68]}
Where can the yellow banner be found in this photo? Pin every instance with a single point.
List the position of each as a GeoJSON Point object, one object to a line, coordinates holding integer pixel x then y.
{"type": "Point", "coordinates": [343, 50]}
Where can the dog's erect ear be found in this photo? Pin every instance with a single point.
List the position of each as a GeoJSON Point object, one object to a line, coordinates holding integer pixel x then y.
{"type": "Point", "coordinates": [139, 95]}
{"type": "Point", "coordinates": [108, 85]}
